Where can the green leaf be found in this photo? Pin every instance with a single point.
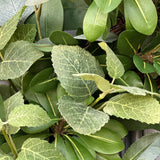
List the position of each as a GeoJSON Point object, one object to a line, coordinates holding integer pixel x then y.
{"type": "Point", "coordinates": [42, 150]}
{"type": "Point", "coordinates": [137, 148]}
{"type": "Point", "coordinates": [1, 124]}
{"type": "Point", "coordinates": [28, 115]}
{"type": "Point", "coordinates": [2, 113]}
{"type": "Point", "coordinates": [142, 66]}
{"type": "Point", "coordinates": [107, 141]}
{"type": "Point", "coordinates": [60, 37]}
{"type": "Point", "coordinates": [51, 17]}
{"type": "Point", "coordinates": [4, 156]}
{"type": "Point", "coordinates": [7, 30]}
{"type": "Point", "coordinates": [34, 2]}
{"type": "Point", "coordinates": [44, 81]}
{"type": "Point", "coordinates": [157, 66]}
{"type": "Point", "coordinates": [108, 157]}
{"type": "Point", "coordinates": [143, 108]}
{"type": "Point", "coordinates": [83, 119]}
{"type": "Point", "coordinates": [129, 41]}
{"type": "Point", "coordinates": [114, 65]}
{"type": "Point", "coordinates": [142, 15]}
{"type": "Point", "coordinates": [101, 83]}
{"type": "Point", "coordinates": [18, 58]}
{"type": "Point", "coordinates": [107, 5]}
{"type": "Point", "coordinates": [69, 60]}
{"type": "Point", "coordinates": [94, 22]}
{"type": "Point", "coordinates": [43, 47]}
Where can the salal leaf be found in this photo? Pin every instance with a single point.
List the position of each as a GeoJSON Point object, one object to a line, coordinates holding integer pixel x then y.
{"type": "Point", "coordinates": [60, 37]}
{"type": "Point", "coordinates": [1, 124]}
{"type": "Point", "coordinates": [94, 22]}
{"type": "Point", "coordinates": [83, 119]}
{"type": "Point", "coordinates": [51, 17]}
{"type": "Point", "coordinates": [107, 5]}
{"type": "Point", "coordinates": [137, 148]}
{"type": "Point", "coordinates": [143, 66]}
{"type": "Point", "coordinates": [107, 141]}
{"type": "Point", "coordinates": [142, 15]}
{"type": "Point", "coordinates": [11, 8]}
{"type": "Point", "coordinates": [7, 30]}
{"type": "Point", "coordinates": [28, 115]}
{"type": "Point", "coordinates": [42, 150]}
{"type": "Point", "coordinates": [69, 60]}
{"type": "Point", "coordinates": [34, 2]}
{"type": "Point", "coordinates": [18, 58]}
{"type": "Point", "coordinates": [4, 156]}
{"type": "Point", "coordinates": [142, 108]}
{"type": "Point", "coordinates": [101, 83]}
{"type": "Point", "coordinates": [114, 65]}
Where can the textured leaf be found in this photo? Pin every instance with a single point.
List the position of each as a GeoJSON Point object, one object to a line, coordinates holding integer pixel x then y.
{"type": "Point", "coordinates": [107, 5]}
{"type": "Point", "coordinates": [137, 148]}
{"type": "Point", "coordinates": [94, 22]}
{"type": "Point", "coordinates": [143, 108]}
{"type": "Point", "coordinates": [4, 156]}
{"type": "Point", "coordinates": [51, 17]}
{"type": "Point", "coordinates": [7, 30]}
{"type": "Point", "coordinates": [114, 65]}
{"type": "Point", "coordinates": [34, 2]}
{"type": "Point", "coordinates": [11, 8]}
{"type": "Point", "coordinates": [142, 15]}
{"type": "Point", "coordinates": [69, 60]}
{"type": "Point", "coordinates": [42, 150]}
{"type": "Point", "coordinates": [107, 141]}
{"type": "Point", "coordinates": [18, 58]}
{"type": "Point", "coordinates": [60, 37]}
{"type": "Point", "coordinates": [43, 47]}
{"type": "Point", "coordinates": [101, 83]}
{"type": "Point", "coordinates": [28, 115]}
{"type": "Point", "coordinates": [83, 119]}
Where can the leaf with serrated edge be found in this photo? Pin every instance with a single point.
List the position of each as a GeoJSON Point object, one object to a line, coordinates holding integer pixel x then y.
{"type": "Point", "coordinates": [28, 115]}
{"type": "Point", "coordinates": [9, 28]}
{"type": "Point", "coordinates": [4, 156]}
{"type": "Point", "coordinates": [34, 2]}
{"type": "Point", "coordinates": [114, 65]}
{"type": "Point", "coordinates": [42, 150]}
{"type": "Point", "coordinates": [101, 83]}
{"type": "Point", "coordinates": [142, 108]}
{"type": "Point", "coordinates": [19, 56]}
{"type": "Point", "coordinates": [83, 119]}
{"type": "Point", "coordinates": [69, 60]}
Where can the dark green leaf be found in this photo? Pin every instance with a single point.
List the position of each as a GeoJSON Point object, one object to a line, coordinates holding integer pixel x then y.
{"type": "Point", "coordinates": [157, 66]}
{"type": "Point", "coordinates": [108, 157]}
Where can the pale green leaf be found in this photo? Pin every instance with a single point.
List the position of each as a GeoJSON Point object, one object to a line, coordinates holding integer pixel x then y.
{"type": "Point", "coordinates": [114, 65]}
{"type": "Point", "coordinates": [69, 60]}
{"type": "Point", "coordinates": [28, 115]}
{"type": "Point", "coordinates": [4, 156]}
{"type": "Point", "coordinates": [108, 157]}
{"type": "Point", "coordinates": [7, 30]}
{"type": "Point", "coordinates": [107, 5]}
{"type": "Point", "coordinates": [94, 22]}
{"type": "Point", "coordinates": [83, 119]}
{"type": "Point", "coordinates": [142, 14]}
{"type": "Point", "coordinates": [18, 58]}
{"type": "Point", "coordinates": [101, 83]}
{"type": "Point", "coordinates": [1, 124]}
{"type": "Point", "coordinates": [34, 2]}
{"type": "Point", "coordinates": [142, 108]}
{"type": "Point", "coordinates": [42, 150]}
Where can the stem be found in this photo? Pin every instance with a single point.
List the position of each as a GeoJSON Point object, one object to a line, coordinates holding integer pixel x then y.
{"type": "Point", "coordinates": [11, 140]}
{"type": "Point", "coordinates": [1, 56]}
{"type": "Point", "coordinates": [102, 106]}
{"type": "Point", "coordinates": [38, 14]}
{"type": "Point", "coordinates": [12, 147]}
{"type": "Point", "coordinates": [113, 80]}
{"type": "Point", "coordinates": [12, 84]}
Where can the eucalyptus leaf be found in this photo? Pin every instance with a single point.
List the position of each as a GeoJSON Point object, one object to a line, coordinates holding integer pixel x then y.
{"type": "Point", "coordinates": [94, 22]}
{"type": "Point", "coordinates": [107, 5]}
{"type": "Point", "coordinates": [18, 58]}
{"type": "Point", "coordinates": [35, 147]}
{"type": "Point", "coordinates": [142, 15]}
{"type": "Point", "coordinates": [34, 2]}
{"type": "Point", "coordinates": [4, 156]}
{"type": "Point", "coordinates": [69, 60]}
{"type": "Point", "coordinates": [28, 115]}
{"type": "Point", "coordinates": [114, 65]}
{"type": "Point", "coordinates": [83, 119]}
{"type": "Point", "coordinates": [7, 30]}
{"type": "Point", "coordinates": [142, 108]}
